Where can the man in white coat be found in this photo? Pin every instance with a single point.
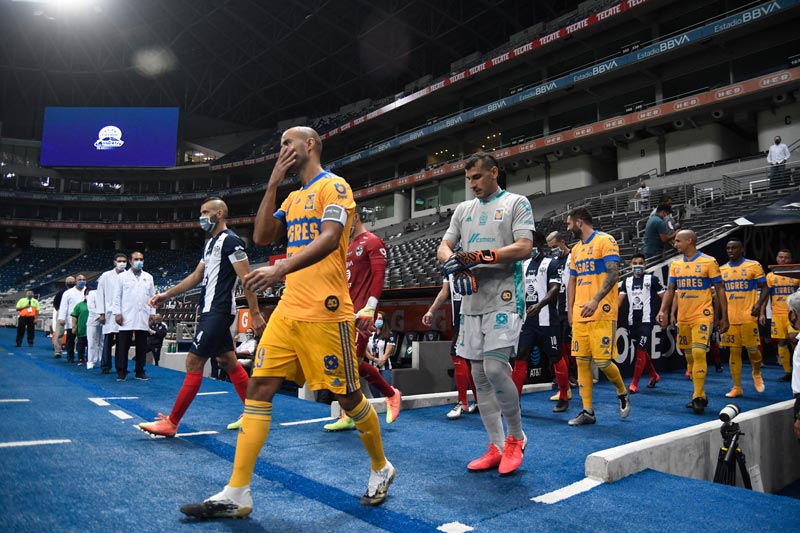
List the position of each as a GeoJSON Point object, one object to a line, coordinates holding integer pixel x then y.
{"type": "Point", "coordinates": [70, 299]}
{"type": "Point", "coordinates": [132, 314]}
{"type": "Point", "coordinates": [106, 289]}
{"type": "Point", "coordinates": [94, 332]}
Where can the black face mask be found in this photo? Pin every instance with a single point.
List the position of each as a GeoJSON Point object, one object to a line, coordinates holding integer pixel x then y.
{"type": "Point", "coordinates": [70, 285]}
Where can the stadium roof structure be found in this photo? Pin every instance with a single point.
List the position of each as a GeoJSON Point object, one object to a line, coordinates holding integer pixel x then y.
{"type": "Point", "coordinates": [248, 62]}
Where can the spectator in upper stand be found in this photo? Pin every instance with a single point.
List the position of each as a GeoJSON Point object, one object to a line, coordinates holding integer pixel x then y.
{"type": "Point", "coordinates": [70, 299]}
{"type": "Point", "coordinates": [777, 156]}
{"type": "Point", "coordinates": [656, 233]}
{"type": "Point", "coordinates": [643, 194]}
{"type": "Point", "coordinates": [28, 308]}
{"type": "Point", "coordinates": [58, 326]}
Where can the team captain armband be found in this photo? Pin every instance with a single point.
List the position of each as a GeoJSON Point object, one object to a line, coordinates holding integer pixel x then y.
{"type": "Point", "coordinates": [238, 255]}
{"type": "Point", "coordinates": [335, 213]}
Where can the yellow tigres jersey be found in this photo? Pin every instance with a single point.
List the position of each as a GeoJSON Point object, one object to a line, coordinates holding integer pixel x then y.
{"type": "Point", "coordinates": [741, 288]}
{"type": "Point", "coordinates": [693, 279]}
{"type": "Point", "coordinates": [588, 265]}
{"type": "Point", "coordinates": [317, 293]}
{"type": "Point", "coordinates": [780, 287]}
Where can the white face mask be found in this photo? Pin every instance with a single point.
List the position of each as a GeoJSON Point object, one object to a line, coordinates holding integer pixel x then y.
{"type": "Point", "coordinates": [121, 265]}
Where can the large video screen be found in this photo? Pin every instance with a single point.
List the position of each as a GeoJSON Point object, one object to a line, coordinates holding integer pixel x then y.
{"type": "Point", "coordinates": [109, 137]}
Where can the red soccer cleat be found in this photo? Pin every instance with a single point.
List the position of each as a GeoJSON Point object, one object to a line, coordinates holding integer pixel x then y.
{"type": "Point", "coordinates": [512, 454]}
{"type": "Point", "coordinates": [491, 459]}
{"type": "Point", "coordinates": [162, 427]}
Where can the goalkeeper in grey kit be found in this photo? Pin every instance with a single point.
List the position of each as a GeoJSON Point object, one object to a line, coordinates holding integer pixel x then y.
{"type": "Point", "coordinates": [496, 233]}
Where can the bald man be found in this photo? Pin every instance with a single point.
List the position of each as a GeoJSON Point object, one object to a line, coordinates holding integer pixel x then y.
{"type": "Point", "coordinates": [222, 261]}
{"type": "Point", "coordinates": [309, 337]}
{"type": "Point", "coordinates": [694, 275]}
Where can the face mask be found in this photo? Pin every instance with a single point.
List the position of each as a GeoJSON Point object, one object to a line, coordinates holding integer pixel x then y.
{"type": "Point", "coordinates": [207, 224]}
{"type": "Point", "coordinates": [534, 251]}
{"type": "Point", "coordinates": [81, 284]}
{"type": "Point", "coordinates": [29, 295]}
{"type": "Point", "coordinates": [379, 324]}
{"type": "Point", "coordinates": [638, 270]}
{"type": "Point", "coordinates": [556, 252]}
{"type": "Point", "coordinates": [249, 336]}
{"type": "Point", "coordinates": [138, 264]}
{"type": "Point", "coordinates": [777, 141]}
{"type": "Point", "coordinates": [121, 265]}
{"type": "Point", "coordinates": [70, 285]}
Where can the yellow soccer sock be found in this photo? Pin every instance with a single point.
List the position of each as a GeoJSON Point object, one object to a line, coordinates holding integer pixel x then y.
{"type": "Point", "coordinates": [689, 360]}
{"type": "Point", "coordinates": [369, 429]}
{"type": "Point", "coordinates": [612, 373]}
{"type": "Point", "coordinates": [252, 435]}
{"type": "Point", "coordinates": [585, 383]}
{"type": "Point", "coordinates": [699, 369]}
{"type": "Point", "coordinates": [735, 363]}
{"type": "Point", "coordinates": [755, 359]}
{"type": "Point", "coordinates": [786, 359]}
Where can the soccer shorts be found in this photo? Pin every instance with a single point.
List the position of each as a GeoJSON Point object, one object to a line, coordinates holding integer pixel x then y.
{"type": "Point", "coordinates": [781, 327]}
{"type": "Point", "coordinates": [546, 338]}
{"type": "Point", "coordinates": [642, 336]}
{"type": "Point", "coordinates": [320, 353]}
{"type": "Point", "coordinates": [479, 334]}
{"type": "Point", "coordinates": [594, 339]}
{"type": "Point", "coordinates": [213, 335]}
{"type": "Point", "coordinates": [696, 334]}
{"type": "Point", "coordinates": [741, 335]}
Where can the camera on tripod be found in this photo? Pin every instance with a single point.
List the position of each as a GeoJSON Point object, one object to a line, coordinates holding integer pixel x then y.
{"type": "Point", "coordinates": [729, 412]}
{"type": "Point", "coordinates": [730, 454]}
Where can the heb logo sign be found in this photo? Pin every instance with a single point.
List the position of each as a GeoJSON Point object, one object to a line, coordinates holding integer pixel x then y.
{"type": "Point", "coordinates": [728, 92]}
{"type": "Point", "coordinates": [553, 140]}
{"type": "Point", "coordinates": [613, 123]}
{"type": "Point", "coordinates": [419, 177]}
{"type": "Point", "coordinates": [649, 113]}
{"type": "Point", "coordinates": [527, 147]}
{"type": "Point", "coordinates": [438, 171]}
{"type": "Point", "coordinates": [686, 104]}
{"type": "Point", "coordinates": [588, 130]}
{"type": "Point", "coordinates": [776, 79]}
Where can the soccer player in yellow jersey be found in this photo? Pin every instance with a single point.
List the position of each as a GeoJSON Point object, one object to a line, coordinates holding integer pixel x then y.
{"type": "Point", "coordinates": [743, 279]}
{"type": "Point", "coordinates": [780, 287]}
{"type": "Point", "coordinates": [692, 276]}
{"type": "Point", "coordinates": [309, 336]}
{"type": "Point", "coordinates": [592, 304]}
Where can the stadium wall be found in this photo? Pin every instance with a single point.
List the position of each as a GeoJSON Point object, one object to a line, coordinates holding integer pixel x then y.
{"type": "Point", "coordinates": [783, 121]}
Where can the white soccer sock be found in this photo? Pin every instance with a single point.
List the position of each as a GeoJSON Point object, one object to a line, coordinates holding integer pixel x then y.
{"type": "Point", "coordinates": [499, 375]}
{"type": "Point", "coordinates": [488, 406]}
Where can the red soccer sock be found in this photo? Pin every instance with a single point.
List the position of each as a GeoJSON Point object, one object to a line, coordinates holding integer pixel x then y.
{"type": "Point", "coordinates": [641, 362]}
{"type": "Point", "coordinates": [463, 377]}
{"type": "Point", "coordinates": [240, 379]}
{"type": "Point", "coordinates": [374, 378]}
{"type": "Point", "coordinates": [191, 384]}
{"type": "Point", "coordinates": [651, 369]}
{"type": "Point", "coordinates": [561, 369]}
{"type": "Point", "coordinates": [519, 374]}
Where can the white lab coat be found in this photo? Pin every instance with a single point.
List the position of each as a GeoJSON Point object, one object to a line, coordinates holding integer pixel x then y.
{"type": "Point", "coordinates": [106, 289]}
{"type": "Point", "coordinates": [70, 299]}
{"type": "Point", "coordinates": [94, 332]}
{"type": "Point", "coordinates": [130, 300]}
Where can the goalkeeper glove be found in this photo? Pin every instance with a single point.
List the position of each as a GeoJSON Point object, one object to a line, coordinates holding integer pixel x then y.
{"type": "Point", "coordinates": [464, 283]}
{"type": "Point", "coordinates": [365, 318]}
{"type": "Point", "coordinates": [464, 260]}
